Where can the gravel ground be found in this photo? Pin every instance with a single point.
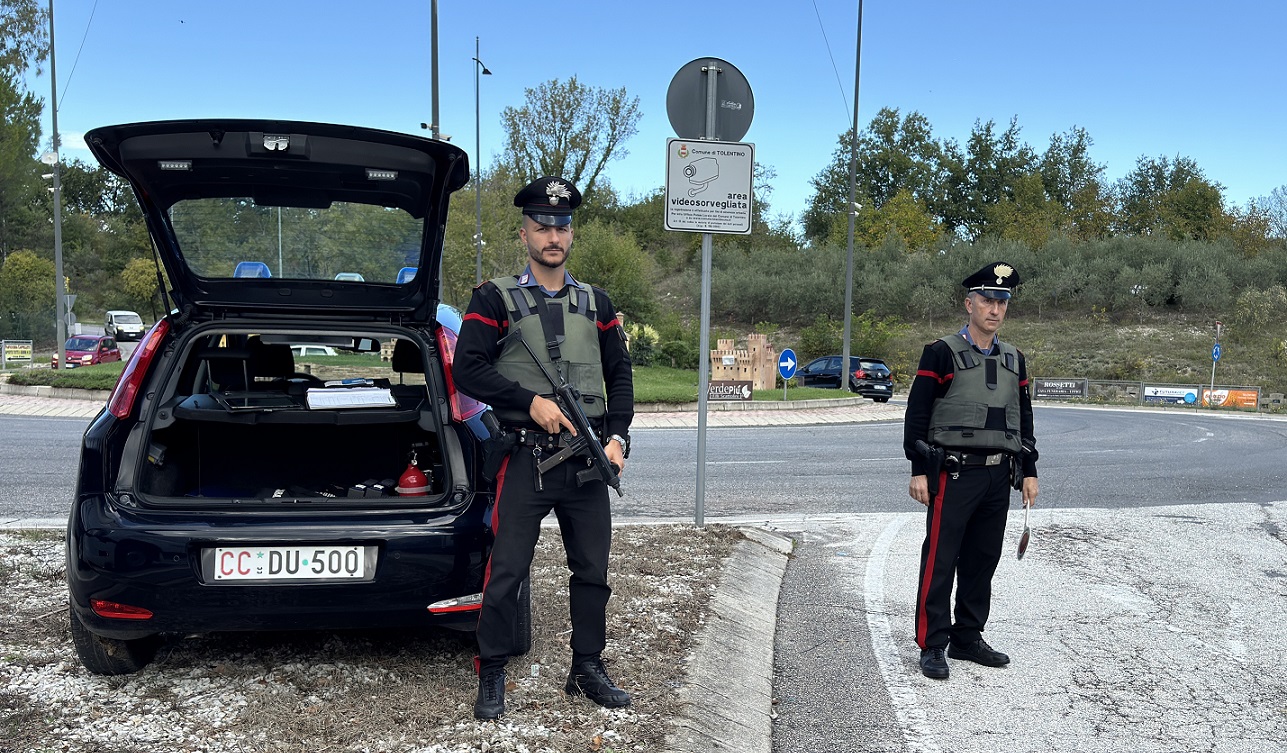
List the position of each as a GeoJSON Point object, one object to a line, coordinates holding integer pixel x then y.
{"type": "Point", "coordinates": [394, 692]}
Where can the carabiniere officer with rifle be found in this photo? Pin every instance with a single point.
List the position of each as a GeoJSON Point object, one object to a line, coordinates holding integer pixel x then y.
{"type": "Point", "coordinates": [968, 432]}
{"type": "Point", "coordinates": [518, 333]}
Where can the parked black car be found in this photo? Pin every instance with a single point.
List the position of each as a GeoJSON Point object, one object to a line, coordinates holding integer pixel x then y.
{"type": "Point", "coordinates": [869, 377]}
{"type": "Point", "coordinates": [220, 489]}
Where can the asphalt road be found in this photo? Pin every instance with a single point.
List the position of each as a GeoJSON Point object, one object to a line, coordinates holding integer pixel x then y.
{"type": "Point", "coordinates": [1146, 616]}
{"type": "Point", "coordinates": [1090, 458]}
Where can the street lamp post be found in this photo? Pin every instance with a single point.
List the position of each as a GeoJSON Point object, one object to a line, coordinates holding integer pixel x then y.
{"type": "Point", "coordinates": [479, 68]}
{"type": "Point", "coordinates": [853, 216]}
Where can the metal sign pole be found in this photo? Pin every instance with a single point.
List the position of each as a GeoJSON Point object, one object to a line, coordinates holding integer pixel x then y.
{"type": "Point", "coordinates": [704, 341]}
{"type": "Point", "coordinates": [1214, 359]}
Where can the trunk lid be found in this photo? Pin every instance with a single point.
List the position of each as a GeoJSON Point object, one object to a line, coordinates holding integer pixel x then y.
{"type": "Point", "coordinates": [255, 216]}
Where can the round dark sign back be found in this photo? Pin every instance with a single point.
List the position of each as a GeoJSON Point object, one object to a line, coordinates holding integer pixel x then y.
{"type": "Point", "coordinates": [686, 101]}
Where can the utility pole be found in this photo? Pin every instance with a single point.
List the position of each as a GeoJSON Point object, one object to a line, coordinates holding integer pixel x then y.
{"type": "Point", "coordinates": [60, 288]}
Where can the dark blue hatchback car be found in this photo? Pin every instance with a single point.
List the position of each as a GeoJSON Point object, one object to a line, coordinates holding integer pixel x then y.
{"type": "Point", "coordinates": [225, 488]}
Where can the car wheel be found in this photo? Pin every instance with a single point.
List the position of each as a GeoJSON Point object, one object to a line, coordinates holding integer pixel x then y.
{"type": "Point", "coordinates": [523, 625]}
{"type": "Point", "coordinates": [111, 656]}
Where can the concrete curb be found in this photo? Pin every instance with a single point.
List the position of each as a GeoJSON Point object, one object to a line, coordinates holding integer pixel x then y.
{"type": "Point", "coordinates": [728, 699]}
{"type": "Point", "coordinates": [740, 405]}
{"type": "Point", "coordinates": [62, 393]}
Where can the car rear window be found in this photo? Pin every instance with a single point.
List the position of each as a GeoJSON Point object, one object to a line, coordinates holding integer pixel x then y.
{"type": "Point", "coordinates": [225, 237]}
{"type": "Point", "coordinates": [878, 367]}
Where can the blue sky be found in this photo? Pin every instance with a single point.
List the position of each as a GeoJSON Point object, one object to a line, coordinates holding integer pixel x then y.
{"type": "Point", "coordinates": [1143, 77]}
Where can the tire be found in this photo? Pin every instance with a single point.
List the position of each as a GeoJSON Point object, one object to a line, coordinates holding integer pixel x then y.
{"type": "Point", "coordinates": [523, 625]}
{"type": "Point", "coordinates": [110, 656]}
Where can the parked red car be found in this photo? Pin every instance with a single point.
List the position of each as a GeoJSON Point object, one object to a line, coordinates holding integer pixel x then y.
{"type": "Point", "coordinates": [87, 350]}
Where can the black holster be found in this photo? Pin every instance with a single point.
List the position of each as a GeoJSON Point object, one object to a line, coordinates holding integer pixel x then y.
{"type": "Point", "coordinates": [496, 447]}
{"type": "Point", "coordinates": [495, 450]}
{"type": "Point", "coordinates": [1016, 464]}
{"type": "Point", "coordinates": [934, 457]}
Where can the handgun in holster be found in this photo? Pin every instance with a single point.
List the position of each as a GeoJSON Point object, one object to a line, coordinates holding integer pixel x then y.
{"type": "Point", "coordinates": [498, 445]}
{"type": "Point", "coordinates": [934, 459]}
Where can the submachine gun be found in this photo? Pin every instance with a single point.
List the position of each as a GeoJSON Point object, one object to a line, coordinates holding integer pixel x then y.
{"type": "Point", "coordinates": [585, 443]}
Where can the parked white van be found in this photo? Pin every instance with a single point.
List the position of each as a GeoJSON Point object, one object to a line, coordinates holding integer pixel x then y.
{"type": "Point", "coordinates": [124, 325]}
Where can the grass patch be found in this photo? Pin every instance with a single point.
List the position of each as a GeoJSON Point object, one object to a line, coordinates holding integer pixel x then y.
{"type": "Point", "coordinates": [100, 376]}
{"type": "Point", "coordinates": [663, 384]}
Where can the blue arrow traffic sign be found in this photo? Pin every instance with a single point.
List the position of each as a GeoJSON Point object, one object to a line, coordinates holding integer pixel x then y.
{"type": "Point", "coordinates": [1215, 352]}
{"type": "Point", "coordinates": [787, 363]}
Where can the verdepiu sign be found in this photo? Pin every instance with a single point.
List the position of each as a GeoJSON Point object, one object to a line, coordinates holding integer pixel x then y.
{"type": "Point", "coordinates": [728, 389]}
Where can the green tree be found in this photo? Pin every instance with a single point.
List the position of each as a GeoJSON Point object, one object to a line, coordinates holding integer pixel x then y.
{"type": "Point", "coordinates": [903, 217]}
{"type": "Point", "coordinates": [895, 154]}
{"type": "Point", "coordinates": [1170, 197]}
{"type": "Point", "coordinates": [994, 167]}
{"type": "Point", "coordinates": [1074, 184]}
{"type": "Point", "coordinates": [19, 173]}
{"type": "Point", "coordinates": [570, 130]}
{"type": "Point", "coordinates": [608, 257]}
{"type": "Point", "coordinates": [138, 283]}
{"type": "Point", "coordinates": [24, 36]}
{"type": "Point", "coordinates": [27, 281]}
{"type": "Point", "coordinates": [1275, 208]}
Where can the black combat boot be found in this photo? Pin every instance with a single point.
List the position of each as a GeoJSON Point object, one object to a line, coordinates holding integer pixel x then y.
{"type": "Point", "coordinates": [934, 664]}
{"type": "Point", "coordinates": [591, 678]}
{"type": "Point", "coordinates": [491, 694]}
{"type": "Point", "coordinates": [979, 652]}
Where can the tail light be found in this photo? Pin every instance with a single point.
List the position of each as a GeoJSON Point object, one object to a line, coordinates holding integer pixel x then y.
{"type": "Point", "coordinates": [127, 386]}
{"type": "Point", "coordinates": [860, 374]}
{"type": "Point", "coordinates": [104, 608]}
{"type": "Point", "coordinates": [462, 406]}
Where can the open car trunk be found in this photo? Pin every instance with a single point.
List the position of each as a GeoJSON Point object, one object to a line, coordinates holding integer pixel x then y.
{"type": "Point", "coordinates": [242, 420]}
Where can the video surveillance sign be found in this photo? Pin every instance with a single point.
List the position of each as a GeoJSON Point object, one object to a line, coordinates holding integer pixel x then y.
{"type": "Point", "coordinates": [709, 186]}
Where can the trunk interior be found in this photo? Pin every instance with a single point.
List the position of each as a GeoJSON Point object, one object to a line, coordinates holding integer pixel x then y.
{"type": "Point", "coordinates": [250, 420]}
{"type": "Point", "coordinates": [287, 461]}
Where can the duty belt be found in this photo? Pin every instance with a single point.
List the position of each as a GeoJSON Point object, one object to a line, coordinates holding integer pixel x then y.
{"type": "Point", "coordinates": [966, 458]}
{"type": "Point", "coordinates": [544, 440]}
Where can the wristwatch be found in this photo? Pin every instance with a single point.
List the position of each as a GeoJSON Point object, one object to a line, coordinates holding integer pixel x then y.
{"type": "Point", "coordinates": [624, 442]}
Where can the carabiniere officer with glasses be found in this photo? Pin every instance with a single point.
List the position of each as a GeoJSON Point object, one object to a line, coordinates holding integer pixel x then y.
{"type": "Point", "coordinates": [968, 432]}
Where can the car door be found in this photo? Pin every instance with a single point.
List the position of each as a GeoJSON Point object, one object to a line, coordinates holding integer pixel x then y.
{"type": "Point", "coordinates": [107, 351]}
{"type": "Point", "coordinates": [809, 374]}
{"type": "Point", "coordinates": [831, 373]}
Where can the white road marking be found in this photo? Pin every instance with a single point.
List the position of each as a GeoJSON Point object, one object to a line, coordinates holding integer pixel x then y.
{"type": "Point", "coordinates": [915, 724]}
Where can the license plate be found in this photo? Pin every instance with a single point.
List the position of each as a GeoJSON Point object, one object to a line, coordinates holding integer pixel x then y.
{"type": "Point", "coordinates": [317, 562]}
{"type": "Point", "coordinates": [879, 386]}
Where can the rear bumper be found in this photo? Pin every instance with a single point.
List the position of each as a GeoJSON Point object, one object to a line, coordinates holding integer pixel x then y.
{"type": "Point", "coordinates": [875, 389]}
{"type": "Point", "coordinates": [154, 564]}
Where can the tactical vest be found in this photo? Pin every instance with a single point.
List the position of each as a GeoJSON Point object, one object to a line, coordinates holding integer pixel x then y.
{"type": "Point", "coordinates": [981, 385]}
{"type": "Point", "coordinates": [573, 353]}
